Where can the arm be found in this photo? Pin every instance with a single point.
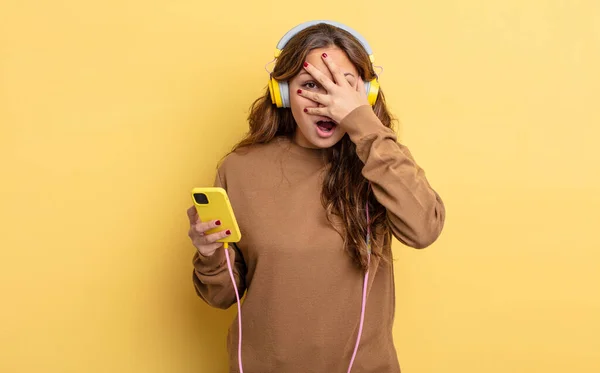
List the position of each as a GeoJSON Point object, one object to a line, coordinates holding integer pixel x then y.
{"type": "Point", "coordinates": [415, 211]}
{"type": "Point", "coordinates": [211, 275]}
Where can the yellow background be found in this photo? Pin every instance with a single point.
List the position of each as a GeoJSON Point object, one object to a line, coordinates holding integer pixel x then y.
{"type": "Point", "coordinates": [112, 111]}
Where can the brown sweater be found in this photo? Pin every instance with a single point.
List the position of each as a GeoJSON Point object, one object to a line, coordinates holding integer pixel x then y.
{"type": "Point", "coordinates": [303, 293]}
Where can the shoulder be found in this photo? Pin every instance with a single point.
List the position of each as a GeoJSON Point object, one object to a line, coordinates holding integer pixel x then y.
{"type": "Point", "coordinates": [255, 156]}
{"type": "Point", "coordinates": [252, 153]}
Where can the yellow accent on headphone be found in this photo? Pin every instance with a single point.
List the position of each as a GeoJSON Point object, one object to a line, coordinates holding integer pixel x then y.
{"type": "Point", "coordinates": [279, 90]}
{"type": "Point", "coordinates": [275, 92]}
{"type": "Point", "coordinates": [373, 91]}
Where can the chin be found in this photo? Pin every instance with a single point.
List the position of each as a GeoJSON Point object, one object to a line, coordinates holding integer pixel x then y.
{"type": "Point", "coordinates": [325, 143]}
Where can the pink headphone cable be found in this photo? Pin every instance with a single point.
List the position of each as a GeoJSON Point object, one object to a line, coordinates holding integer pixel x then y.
{"type": "Point", "coordinates": [364, 294]}
{"type": "Point", "coordinates": [362, 312]}
{"type": "Point", "coordinates": [237, 297]}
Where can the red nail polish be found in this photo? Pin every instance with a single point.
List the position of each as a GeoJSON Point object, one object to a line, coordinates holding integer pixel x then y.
{"type": "Point", "coordinates": [218, 222]}
{"type": "Point", "coordinates": [299, 91]}
{"type": "Point", "coordinates": [324, 55]}
{"type": "Point", "coordinates": [306, 64]}
{"type": "Point", "coordinates": [305, 110]}
{"type": "Point", "coordinates": [228, 232]}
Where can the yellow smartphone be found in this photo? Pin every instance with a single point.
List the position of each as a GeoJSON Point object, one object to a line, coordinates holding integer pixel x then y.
{"type": "Point", "coordinates": [212, 203]}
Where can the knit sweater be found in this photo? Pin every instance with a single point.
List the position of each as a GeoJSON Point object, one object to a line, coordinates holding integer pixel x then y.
{"type": "Point", "coordinates": [303, 292]}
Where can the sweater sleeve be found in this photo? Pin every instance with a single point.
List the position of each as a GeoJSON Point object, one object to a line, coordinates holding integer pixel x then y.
{"type": "Point", "coordinates": [415, 211]}
{"type": "Point", "coordinates": [211, 274]}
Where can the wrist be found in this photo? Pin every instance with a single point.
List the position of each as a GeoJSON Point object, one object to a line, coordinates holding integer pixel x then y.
{"type": "Point", "coordinates": [361, 121]}
{"type": "Point", "coordinates": [209, 260]}
{"type": "Point", "coordinates": [206, 254]}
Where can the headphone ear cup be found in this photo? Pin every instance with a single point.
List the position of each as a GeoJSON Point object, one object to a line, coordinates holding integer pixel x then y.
{"type": "Point", "coordinates": [372, 88]}
{"type": "Point", "coordinates": [284, 90]}
{"type": "Point", "coordinates": [275, 92]}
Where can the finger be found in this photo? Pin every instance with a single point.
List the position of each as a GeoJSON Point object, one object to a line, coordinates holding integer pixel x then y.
{"type": "Point", "coordinates": [203, 227]}
{"type": "Point", "coordinates": [362, 90]}
{"type": "Point", "coordinates": [316, 111]}
{"type": "Point", "coordinates": [339, 78]}
{"type": "Point", "coordinates": [360, 87]}
{"type": "Point", "coordinates": [319, 77]}
{"type": "Point", "coordinates": [314, 96]}
{"type": "Point", "coordinates": [193, 215]}
{"type": "Point", "coordinates": [212, 238]}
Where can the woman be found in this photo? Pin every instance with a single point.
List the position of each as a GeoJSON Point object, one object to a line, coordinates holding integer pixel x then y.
{"type": "Point", "coordinates": [319, 170]}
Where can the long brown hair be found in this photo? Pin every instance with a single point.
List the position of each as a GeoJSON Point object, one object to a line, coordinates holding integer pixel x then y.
{"type": "Point", "coordinates": [345, 190]}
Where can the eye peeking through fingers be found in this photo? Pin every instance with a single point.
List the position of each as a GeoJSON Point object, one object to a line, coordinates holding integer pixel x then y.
{"type": "Point", "coordinates": [310, 85]}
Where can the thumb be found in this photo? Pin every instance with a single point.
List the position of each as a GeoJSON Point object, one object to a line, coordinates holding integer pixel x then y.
{"type": "Point", "coordinates": [360, 86]}
{"type": "Point", "coordinates": [362, 90]}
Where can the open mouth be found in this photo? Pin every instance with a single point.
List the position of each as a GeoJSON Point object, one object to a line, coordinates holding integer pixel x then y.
{"type": "Point", "coordinates": [326, 125]}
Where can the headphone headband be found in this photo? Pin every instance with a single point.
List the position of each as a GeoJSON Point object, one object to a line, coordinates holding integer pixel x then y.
{"type": "Point", "coordinates": [286, 38]}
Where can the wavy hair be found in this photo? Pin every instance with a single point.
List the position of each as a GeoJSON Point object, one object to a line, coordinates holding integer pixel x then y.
{"type": "Point", "coordinates": [345, 190]}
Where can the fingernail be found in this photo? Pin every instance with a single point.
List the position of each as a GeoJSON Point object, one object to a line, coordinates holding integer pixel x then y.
{"type": "Point", "coordinates": [218, 222]}
{"type": "Point", "coordinates": [299, 91]}
{"type": "Point", "coordinates": [305, 110]}
{"type": "Point", "coordinates": [306, 64]}
{"type": "Point", "coordinates": [228, 232]}
{"type": "Point", "coordinates": [324, 55]}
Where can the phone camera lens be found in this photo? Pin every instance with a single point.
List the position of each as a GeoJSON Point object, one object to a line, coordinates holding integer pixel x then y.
{"type": "Point", "coordinates": [201, 198]}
